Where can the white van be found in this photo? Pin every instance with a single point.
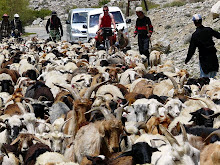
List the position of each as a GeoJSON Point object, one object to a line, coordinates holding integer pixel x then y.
{"type": "Point", "coordinates": [76, 29]}
{"type": "Point", "coordinates": [93, 21]}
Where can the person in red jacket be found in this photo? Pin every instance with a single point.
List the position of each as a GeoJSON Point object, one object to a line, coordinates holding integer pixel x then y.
{"type": "Point", "coordinates": [105, 20]}
{"type": "Point", "coordinates": [144, 30]}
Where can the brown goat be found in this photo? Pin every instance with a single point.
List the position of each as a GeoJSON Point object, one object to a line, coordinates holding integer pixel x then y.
{"type": "Point", "coordinates": [144, 87]}
{"type": "Point", "coordinates": [210, 155]}
{"type": "Point", "coordinates": [153, 123]}
{"type": "Point", "coordinates": [13, 73]}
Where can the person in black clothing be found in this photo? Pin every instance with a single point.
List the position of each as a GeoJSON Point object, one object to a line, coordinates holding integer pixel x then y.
{"type": "Point", "coordinates": [202, 38]}
{"type": "Point", "coordinates": [5, 28]}
{"type": "Point", "coordinates": [144, 29]}
{"type": "Point", "coordinates": [55, 25]}
{"type": "Point", "coordinates": [16, 26]}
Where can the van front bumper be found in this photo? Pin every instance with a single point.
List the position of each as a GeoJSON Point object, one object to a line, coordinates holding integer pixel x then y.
{"type": "Point", "coordinates": [78, 38]}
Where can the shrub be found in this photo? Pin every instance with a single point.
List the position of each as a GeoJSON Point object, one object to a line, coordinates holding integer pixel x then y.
{"type": "Point", "coordinates": [150, 5]}
{"type": "Point", "coordinates": [22, 8]}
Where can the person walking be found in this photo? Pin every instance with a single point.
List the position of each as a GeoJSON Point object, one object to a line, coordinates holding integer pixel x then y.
{"type": "Point", "coordinates": [144, 30]}
{"type": "Point", "coordinates": [16, 26]}
{"type": "Point", "coordinates": [105, 21]}
{"type": "Point", "coordinates": [56, 29]}
{"type": "Point", "coordinates": [202, 38]}
{"type": "Point", "coordinates": [5, 28]}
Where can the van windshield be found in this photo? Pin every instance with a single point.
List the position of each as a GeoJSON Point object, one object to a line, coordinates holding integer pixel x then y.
{"type": "Point", "coordinates": [79, 17]}
{"type": "Point", "coordinates": [94, 19]}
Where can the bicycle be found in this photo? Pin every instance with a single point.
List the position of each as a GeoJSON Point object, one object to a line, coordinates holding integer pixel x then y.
{"type": "Point", "coordinates": [106, 33]}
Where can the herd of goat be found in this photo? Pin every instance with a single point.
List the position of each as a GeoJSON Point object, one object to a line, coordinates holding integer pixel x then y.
{"type": "Point", "coordinates": [69, 104]}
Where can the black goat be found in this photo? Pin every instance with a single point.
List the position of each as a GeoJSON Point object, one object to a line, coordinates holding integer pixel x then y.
{"type": "Point", "coordinates": [203, 116]}
{"type": "Point", "coordinates": [141, 153]}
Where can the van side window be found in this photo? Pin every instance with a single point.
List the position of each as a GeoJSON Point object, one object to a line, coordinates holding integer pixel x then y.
{"type": "Point", "coordinates": [94, 20]}
{"type": "Point", "coordinates": [118, 17]}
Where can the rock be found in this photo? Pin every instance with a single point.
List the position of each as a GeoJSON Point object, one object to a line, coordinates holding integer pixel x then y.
{"type": "Point", "coordinates": [37, 21]}
{"type": "Point", "coordinates": [162, 45]}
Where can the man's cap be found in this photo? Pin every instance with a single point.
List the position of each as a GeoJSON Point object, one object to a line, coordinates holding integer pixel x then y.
{"type": "Point", "coordinates": [139, 9]}
{"type": "Point", "coordinates": [16, 15]}
{"type": "Point", "coordinates": [54, 13]}
{"type": "Point", "coordinates": [196, 17]}
{"type": "Point", "coordinates": [5, 15]}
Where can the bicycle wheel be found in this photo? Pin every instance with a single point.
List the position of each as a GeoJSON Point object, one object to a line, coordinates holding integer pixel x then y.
{"type": "Point", "coordinates": [107, 45]}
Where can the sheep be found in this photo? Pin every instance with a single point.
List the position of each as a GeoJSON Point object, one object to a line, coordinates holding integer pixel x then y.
{"type": "Point", "coordinates": [50, 157]}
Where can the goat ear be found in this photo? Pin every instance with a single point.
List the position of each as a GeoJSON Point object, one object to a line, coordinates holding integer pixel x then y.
{"type": "Point", "coordinates": [89, 157]}
{"type": "Point", "coordinates": [107, 69]}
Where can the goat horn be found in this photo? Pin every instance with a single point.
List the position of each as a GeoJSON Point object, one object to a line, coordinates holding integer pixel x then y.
{"type": "Point", "coordinates": [217, 132]}
{"type": "Point", "coordinates": [168, 135]}
{"type": "Point", "coordinates": [183, 78]}
{"type": "Point", "coordinates": [42, 97]}
{"type": "Point", "coordinates": [175, 85]}
{"type": "Point", "coordinates": [36, 138]}
{"type": "Point", "coordinates": [104, 111]}
{"type": "Point", "coordinates": [213, 115]}
{"type": "Point", "coordinates": [119, 111]}
{"type": "Point", "coordinates": [204, 100]}
{"type": "Point", "coordinates": [89, 91]}
{"type": "Point", "coordinates": [61, 129]}
{"type": "Point", "coordinates": [50, 127]}
{"type": "Point", "coordinates": [206, 117]}
{"type": "Point", "coordinates": [16, 140]}
{"type": "Point", "coordinates": [185, 138]}
{"type": "Point", "coordinates": [74, 93]}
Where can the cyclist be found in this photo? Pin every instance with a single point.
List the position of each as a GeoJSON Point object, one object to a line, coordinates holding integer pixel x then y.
{"type": "Point", "coordinates": [105, 21]}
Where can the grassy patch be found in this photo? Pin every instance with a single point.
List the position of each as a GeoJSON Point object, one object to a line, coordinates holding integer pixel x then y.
{"type": "Point", "coordinates": [27, 34]}
{"type": "Point", "coordinates": [175, 3]}
{"type": "Point", "coordinates": [21, 7]}
{"type": "Point", "coordinates": [150, 5]}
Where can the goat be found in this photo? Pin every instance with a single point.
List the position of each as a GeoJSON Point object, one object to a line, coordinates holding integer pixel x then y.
{"type": "Point", "coordinates": [155, 58]}
{"type": "Point", "coordinates": [122, 39]}
{"type": "Point", "coordinates": [103, 137]}
{"type": "Point", "coordinates": [210, 154]}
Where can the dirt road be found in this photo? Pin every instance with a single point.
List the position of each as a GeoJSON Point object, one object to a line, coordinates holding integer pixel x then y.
{"type": "Point", "coordinates": [41, 32]}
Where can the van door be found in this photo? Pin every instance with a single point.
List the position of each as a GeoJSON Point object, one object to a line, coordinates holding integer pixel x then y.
{"type": "Point", "coordinates": [68, 27]}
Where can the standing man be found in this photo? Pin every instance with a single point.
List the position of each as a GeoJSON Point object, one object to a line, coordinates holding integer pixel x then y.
{"type": "Point", "coordinates": [202, 38]}
{"type": "Point", "coordinates": [105, 20]}
{"type": "Point", "coordinates": [16, 26]}
{"type": "Point", "coordinates": [55, 25]}
{"type": "Point", "coordinates": [144, 29]}
{"type": "Point", "coordinates": [5, 29]}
